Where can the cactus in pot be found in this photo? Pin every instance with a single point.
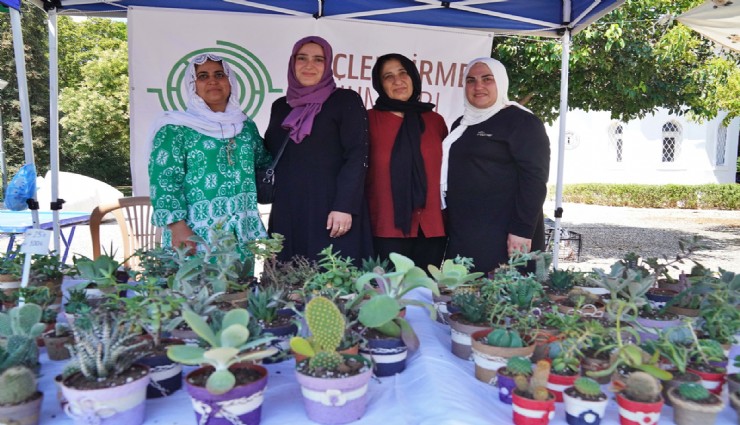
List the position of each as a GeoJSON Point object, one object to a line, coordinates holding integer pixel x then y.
{"type": "Point", "coordinates": [584, 402]}
{"type": "Point", "coordinates": [20, 327]}
{"type": "Point", "coordinates": [694, 404]}
{"type": "Point", "coordinates": [532, 396]}
{"type": "Point", "coordinates": [327, 324]}
{"type": "Point", "coordinates": [536, 386]}
{"type": "Point", "coordinates": [18, 384]}
{"type": "Point", "coordinates": [639, 397]}
{"type": "Point", "coordinates": [508, 338]}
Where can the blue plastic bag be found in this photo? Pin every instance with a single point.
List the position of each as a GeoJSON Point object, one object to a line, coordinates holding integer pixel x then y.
{"type": "Point", "coordinates": [21, 188]}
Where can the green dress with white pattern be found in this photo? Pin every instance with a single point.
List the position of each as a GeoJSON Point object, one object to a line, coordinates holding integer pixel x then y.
{"type": "Point", "coordinates": [206, 181]}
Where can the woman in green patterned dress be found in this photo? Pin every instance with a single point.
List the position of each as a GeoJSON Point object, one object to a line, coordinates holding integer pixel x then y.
{"type": "Point", "coordinates": [201, 169]}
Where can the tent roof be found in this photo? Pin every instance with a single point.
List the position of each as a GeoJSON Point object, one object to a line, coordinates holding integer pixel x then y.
{"type": "Point", "coordinates": [720, 24]}
{"type": "Point", "coordinates": [542, 17]}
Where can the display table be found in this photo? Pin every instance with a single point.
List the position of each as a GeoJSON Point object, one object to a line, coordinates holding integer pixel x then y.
{"type": "Point", "coordinates": [436, 388]}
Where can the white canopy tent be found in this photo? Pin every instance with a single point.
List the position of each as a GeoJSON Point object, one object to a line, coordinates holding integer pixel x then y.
{"type": "Point", "coordinates": [553, 18]}
{"type": "Point", "coordinates": [716, 21]}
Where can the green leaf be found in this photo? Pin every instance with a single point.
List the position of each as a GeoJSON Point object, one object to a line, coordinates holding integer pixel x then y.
{"type": "Point", "coordinates": [186, 354]}
{"type": "Point", "coordinates": [200, 327]}
{"type": "Point", "coordinates": [220, 356]}
{"type": "Point", "coordinates": [237, 316]}
{"type": "Point", "coordinates": [220, 382]}
{"type": "Point", "coordinates": [378, 310]}
{"type": "Point", "coordinates": [234, 336]}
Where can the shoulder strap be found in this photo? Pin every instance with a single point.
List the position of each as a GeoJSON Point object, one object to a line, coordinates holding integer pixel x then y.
{"type": "Point", "coordinates": [270, 172]}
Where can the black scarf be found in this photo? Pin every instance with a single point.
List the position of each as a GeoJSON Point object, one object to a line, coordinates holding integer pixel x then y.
{"type": "Point", "coordinates": [408, 178]}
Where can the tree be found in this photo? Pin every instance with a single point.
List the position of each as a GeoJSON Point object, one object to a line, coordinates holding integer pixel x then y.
{"type": "Point", "coordinates": [96, 118]}
{"type": "Point", "coordinates": [35, 38]}
{"type": "Point", "coordinates": [628, 63]}
{"type": "Point", "coordinates": [79, 42]}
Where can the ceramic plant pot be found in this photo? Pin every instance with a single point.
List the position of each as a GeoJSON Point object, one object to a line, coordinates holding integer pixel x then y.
{"type": "Point", "coordinates": [166, 375]}
{"type": "Point", "coordinates": [558, 383]}
{"type": "Point", "coordinates": [653, 327]}
{"type": "Point", "coordinates": [387, 354]}
{"type": "Point", "coordinates": [505, 384]}
{"type": "Point", "coordinates": [124, 404]}
{"type": "Point", "coordinates": [334, 401]}
{"type": "Point", "coordinates": [686, 412]}
{"type": "Point", "coordinates": [579, 411]}
{"type": "Point", "coordinates": [241, 404]}
{"type": "Point", "coordinates": [713, 381]}
{"type": "Point", "coordinates": [489, 359]}
{"type": "Point", "coordinates": [532, 412]}
{"type": "Point", "coordinates": [658, 297]}
{"type": "Point", "coordinates": [442, 305]}
{"type": "Point", "coordinates": [56, 346]}
{"type": "Point", "coordinates": [460, 334]}
{"type": "Point", "coordinates": [637, 413]}
{"type": "Point", "coordinates": [688, 312]}
{"type": "Point", "coordinates": [26, 413]}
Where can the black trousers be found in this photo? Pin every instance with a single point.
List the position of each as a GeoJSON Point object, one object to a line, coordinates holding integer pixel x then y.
{"type": "Point", "coordinates": [422, 250]}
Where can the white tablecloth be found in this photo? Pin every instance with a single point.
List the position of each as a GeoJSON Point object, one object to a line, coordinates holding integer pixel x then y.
{"type": "Point", "coordinates": [436, 388]}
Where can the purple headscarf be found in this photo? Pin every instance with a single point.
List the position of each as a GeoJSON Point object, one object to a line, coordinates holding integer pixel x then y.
{"type": "Point", "coordinates": [307, 101]}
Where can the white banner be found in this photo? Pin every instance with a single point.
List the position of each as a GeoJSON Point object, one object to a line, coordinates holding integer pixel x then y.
{"type": "Point", "coordinates": [162, 41]}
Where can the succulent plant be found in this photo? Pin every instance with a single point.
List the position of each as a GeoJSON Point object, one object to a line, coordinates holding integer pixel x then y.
{"type": "Point", "coordinates": [452, 274]}
{"type": "Point", "coordinates": [18, 385]}
{"type": "Point", "coordinates": [473, 308]}
{"type": "Point", "coordinates": [518, 365]}
{"type": "Point", "coordinates": [693, 391]}
{"type": "Point", "coordinates": [226, 346]}
{"type": "Point", "coordinates": [578, 296]}
{"type": "Point", "coordinates": [536, 386]}
{"type": "Point", "coordinates": [561, 280]}
{"type": "Point", "coordinates": [505, 338]}
{"type": "Point", "coordinates": [587, 387]}
{"type": "Point", "coordinates": [20, 327]}
{"type": "Point", "coordinates": [642, 387]}
{"type": "Point", "coordinates": [326, 323]}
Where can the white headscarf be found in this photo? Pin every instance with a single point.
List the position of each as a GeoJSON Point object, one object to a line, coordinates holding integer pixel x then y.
{"type": "Point", "coordinates": [473, 115]}
{"type": "Point", "coordinates": [198, 116]}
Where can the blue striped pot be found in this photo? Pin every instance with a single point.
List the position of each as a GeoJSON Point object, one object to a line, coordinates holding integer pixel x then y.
{"type": "Point", "coordinates": [387, 354]}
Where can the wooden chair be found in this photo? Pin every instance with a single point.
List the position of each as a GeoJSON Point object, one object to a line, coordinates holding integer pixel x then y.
{"type": "Point", "coordinates": [134, 217]}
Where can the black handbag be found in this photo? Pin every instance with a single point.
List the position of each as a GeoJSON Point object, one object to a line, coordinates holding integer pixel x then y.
{"type": "Point", "coordinates": [265, 178]}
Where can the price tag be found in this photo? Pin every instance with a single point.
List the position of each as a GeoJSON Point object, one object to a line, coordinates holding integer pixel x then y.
{"type": "Point", "coordinates": [36, 242]}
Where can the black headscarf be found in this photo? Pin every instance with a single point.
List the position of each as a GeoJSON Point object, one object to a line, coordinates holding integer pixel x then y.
{"type": "Point", "coordinates": [408, 178]}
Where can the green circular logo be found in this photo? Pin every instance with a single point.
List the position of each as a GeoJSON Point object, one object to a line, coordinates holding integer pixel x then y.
{"type": "Point", "coordinates": [251, 74]}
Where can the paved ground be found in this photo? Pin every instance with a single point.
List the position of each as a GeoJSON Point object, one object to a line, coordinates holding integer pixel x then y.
{"type": "Point", "coordinates": [607, 233]}
{"type": "Point", "coordinates": [610, 232]}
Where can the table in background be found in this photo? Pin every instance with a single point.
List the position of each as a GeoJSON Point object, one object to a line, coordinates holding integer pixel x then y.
{"type": "Point", "coordinates": [14, 223]}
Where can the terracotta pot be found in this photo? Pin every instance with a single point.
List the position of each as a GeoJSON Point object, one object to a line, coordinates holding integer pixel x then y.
{"type": "Point", "coordinates": [678, 379]}
{"type": "Point", "coordinates": [637, 413]}
{"type": "Point", "coordinates": [594, 290]}
{"type": "Point", "coordinates": [686, 412]}
{"type": "Point", "coordinates": [460, 335]}
{"type": "Point", "coordinates": [587, 310]}
{"type": "Point", "coordinates": [26, 413]}
{"type": "Point", "coordinates": [236, 299]}
{"type": "Point", "coordinates": [124, 404]}
{"type": "Point", "coordinates": [595, 364]}
{"type": "Point", "coordinates": [583, 412]}
{"type": "Point", "coordinates": [713, 381]}
{"type": "Point", "coordinates": [558, 383]}
{"type": "Point", "coordinates": [55, 346]}
{"type": "Point", "coordinates": [688, 312]}
{"type": "Point", "coordinates": [241, 403]}
{"type": "Point", "coordinates": [532, 412]}
{"type": "Point", "coordinates": [335, 400]}
{"type": "Point", "coordinates": [387, 354]}
{"type": "Point", "coordinates": [489, 359]}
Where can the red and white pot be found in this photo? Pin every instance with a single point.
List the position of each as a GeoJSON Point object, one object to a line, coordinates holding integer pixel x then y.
{"type": "Point", "coordinates": [712, 381]}
{"type": "Point", "coordinates": [558, 383]}
{"type": "Point", "coordinates": [637, 413]}
{"type": "Point", "coordinates": [532, 412]}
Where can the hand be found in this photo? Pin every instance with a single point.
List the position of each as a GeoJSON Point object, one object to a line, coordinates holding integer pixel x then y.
{"type": "Point", "coordinates": [518, 243]}
{"type": "Point", "coordinates": [338, 223]}
{"type": "Point", "coordinates": [181, 234]}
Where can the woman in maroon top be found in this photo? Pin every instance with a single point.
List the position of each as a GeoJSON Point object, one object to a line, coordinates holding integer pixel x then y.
{"type": "Point", "coordinates": [402, 185]}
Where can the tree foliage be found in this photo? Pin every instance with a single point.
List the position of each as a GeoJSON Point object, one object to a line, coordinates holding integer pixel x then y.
{"type": "Point", "coordinates": [630, 63]}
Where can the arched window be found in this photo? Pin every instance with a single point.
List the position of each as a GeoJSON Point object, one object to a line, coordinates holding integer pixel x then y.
{"type": "Point", "coordinates": [671, 141]}
{"type": "Point", "coordinates": [616, 137]}
{"type": "Point", "coordinates": [721, 145]}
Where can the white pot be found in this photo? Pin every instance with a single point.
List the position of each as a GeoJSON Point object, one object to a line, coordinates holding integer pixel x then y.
{"type": "Point", "coordinates": [590, 410]}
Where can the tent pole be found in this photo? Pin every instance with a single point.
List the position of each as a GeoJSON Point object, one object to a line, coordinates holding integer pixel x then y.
{"type": "Point", "coordinates": [565, 42]}
{"type": "Point", "coordinates": [56, 203]}
{"type": "Point", "coordinates": [20, 69]}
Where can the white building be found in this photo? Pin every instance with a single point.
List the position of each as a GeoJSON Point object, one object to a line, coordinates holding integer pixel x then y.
{"type": "Point", "coordinates": [658, 149]}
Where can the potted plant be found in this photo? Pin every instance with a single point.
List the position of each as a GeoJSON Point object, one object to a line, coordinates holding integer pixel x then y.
{"type": "Point", "coordinates": [336, 276]}
{"type": "Point", "coordinates": [226, 385]}
{"type": "Point", "coordinates": [694, 404]}
{"type": "Point", "coordinates": [673, 348]}
{"type": "Point", "coordinates": [382, 312]}
{"type": "Point", "coordinates": [505, 376]}
{"type": "Point", "coordinates": [472, 316]}
{"type": "Point", "coordinates": [639, 400]}
{"type": "Point", "coordinates": [559, 282]}
{"type": "Point", "coordinates": [156, 309]}
{"type": "Point", "coordinates": [56, 342]}
{"type": "Point", "coordinates": [10, 271]}
{"type": "Point", "coordinates": [264, 304]}
{"type": "Point", "coordinates": [581, 302]}
{"type": "Point", "coordinates": [531, 400]}
{"type": "Point", "coordinates": [707, 359]}
{"type": "Point", "coordinates": [76, 304]}
{"type": "Point", "coordinates": [492, 347]}
{"type": "Point", "coordinates": [585, 403]}
{"type": "Point", "coordinates": [20, 327]}
{"type": "Point", "coordinates": [566, 366]}
{"type": "Point", "coordinates": [47, 270]}
{"type": "Point", "coordinates": [334, 386]}
{"type": "Point", "coordinates": [452, 277]}
{"type": "Point", "coordinates": [107, 387]}
{"type": "Point", "coordinates": [20, 399]}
